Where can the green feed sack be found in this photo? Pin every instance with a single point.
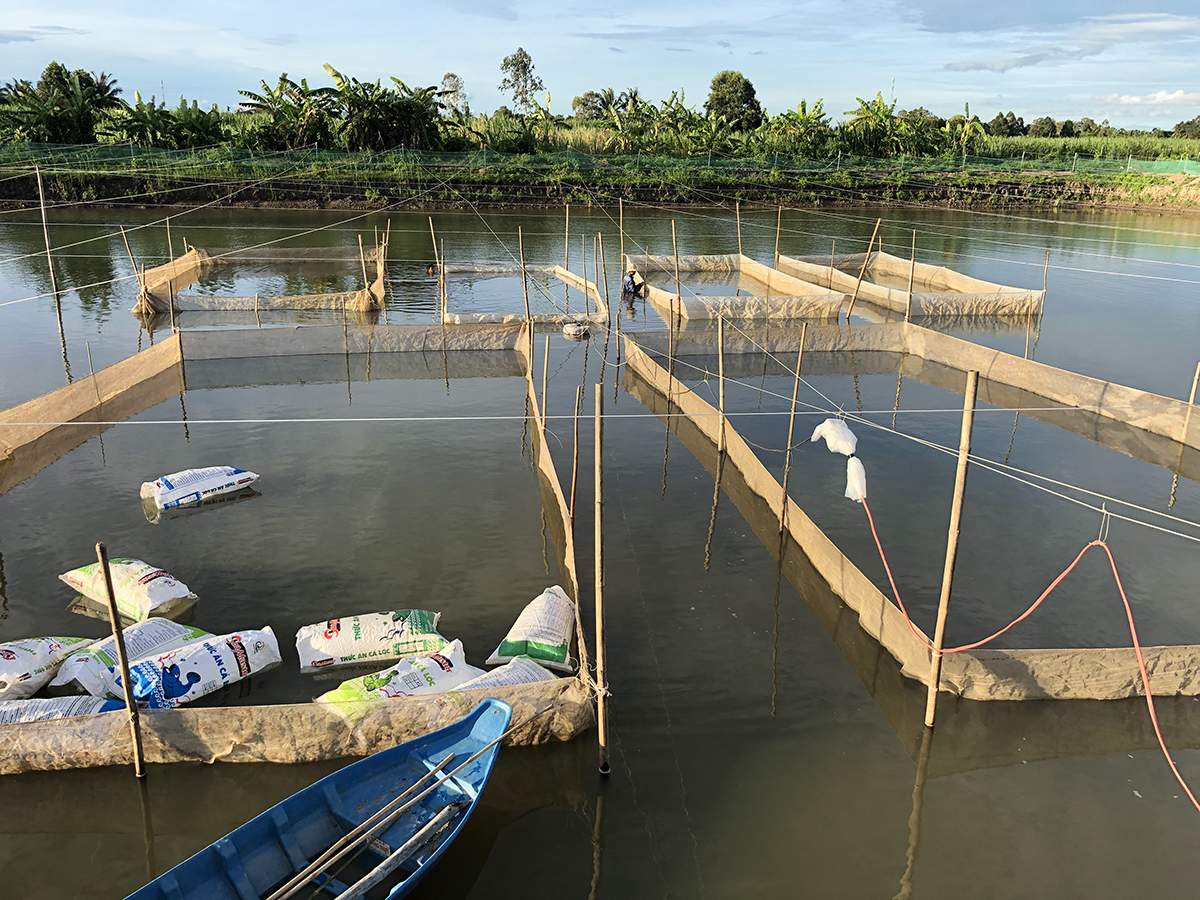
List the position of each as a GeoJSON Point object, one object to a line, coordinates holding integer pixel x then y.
{"type": "Point", "coordinates": [542, 632]}
{"type": "Point", "coordinates": [141, 590]}
{"type": "Point", "coordinates": [432, 674]}
{"type": "Point", "coordinates": [375, 637]}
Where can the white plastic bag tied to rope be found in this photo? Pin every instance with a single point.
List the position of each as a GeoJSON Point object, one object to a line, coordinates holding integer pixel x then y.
{"type": "Point", "coordinates": [837, 436]}
{"type": "Point", "coordinates": [856, 480]}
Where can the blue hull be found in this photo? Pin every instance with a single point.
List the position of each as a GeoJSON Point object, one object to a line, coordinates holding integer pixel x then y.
{"type": "Point", "coordinates": [256, 859]}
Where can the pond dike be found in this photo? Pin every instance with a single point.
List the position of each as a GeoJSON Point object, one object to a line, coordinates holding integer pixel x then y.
{"type": "Point", "coordinates": [982, 674]}
{"type": "Point", "coordinates": [35, 434]}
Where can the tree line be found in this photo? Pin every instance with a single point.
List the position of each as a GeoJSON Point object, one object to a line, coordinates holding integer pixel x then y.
{"type": "Point", "coordinates": [79, 107]}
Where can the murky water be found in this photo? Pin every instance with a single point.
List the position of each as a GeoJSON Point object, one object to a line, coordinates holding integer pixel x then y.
{"type": "Point", "coordinates": [754, 752]}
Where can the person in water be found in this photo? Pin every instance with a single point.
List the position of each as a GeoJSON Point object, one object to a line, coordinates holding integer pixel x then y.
{"type": "Point", "coordinates": [631, 285]}
{"type": "Point", "coordinates": [430, 270]}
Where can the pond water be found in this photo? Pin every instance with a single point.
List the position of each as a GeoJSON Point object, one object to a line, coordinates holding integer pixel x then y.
{"type": "Point", "coordinates": [752, 752]}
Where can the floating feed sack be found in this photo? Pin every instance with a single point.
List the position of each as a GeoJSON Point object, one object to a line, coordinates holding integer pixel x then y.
{"type": "Point", "coordinates": [201, 667]}
{"type": "Point", "coordinates": [193, 486]}
{"type": "Point", "coordinates": [379, 638]}
{"type": "Point", "coordinates": [141, 590]}
{"type": "Point", "coordinates": [94, 670]}
{"type": "Point", "coordinates": [542, 632]}
{"type": "Point", "coordinates": [27, 665]}
{"type": "Point", "coordinates": [16, 712]}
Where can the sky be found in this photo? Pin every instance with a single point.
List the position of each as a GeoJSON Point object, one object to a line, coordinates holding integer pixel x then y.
{"type": "Point", "coordinates": [1058, 58]}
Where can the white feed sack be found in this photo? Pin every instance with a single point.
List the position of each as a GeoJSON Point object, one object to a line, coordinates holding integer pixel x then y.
{"type": "Point", "coordinates": [195, 485]}
{"type": "Point", "coordinates": [432, 674]}
{"type": "Point", "coordinates": [521, 670]}
{"type": "Point", "coordinates": [94, 670]}
{"type": "Point", "coordinates": [201, 667]}
{"type": "Point", "coordinates": [15, 712]}
{"type": "Point", "coordinates": [26, 665]}
{"type": "Point", "coordinates": [376, 637]}
{"type": "Point", "coordinates": [542, 632]}
{"type": "Point", "coordinates": [141, 590]}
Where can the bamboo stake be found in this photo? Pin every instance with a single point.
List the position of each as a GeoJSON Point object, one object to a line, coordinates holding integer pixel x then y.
{"type": "Point", "coordinates": [601, 689]}
{"type": "Point", "coordinates": [596, 268]}
{"type": "Point", "coordinates": [778, 226]}
{"type": "Point", "coordinates": [912, 271]}
{"type": "Point", "coordinates": [604, 271]}
{"type": "Point", "coordinates": [1187, 420]}
{"type": "Point", "coordinates": [170, 246]}
{"type": "Point", "coordinates": [832, 251]}
{"type": "Point", "coordinates": [442, 278]}
{"type": "Point", "coordinates": [567, 240]}
{"type": "Point", "coordinates": [863, 270]}
{"type": "Point", "coordinates": [171, 303]}
{"type": "Point", "coordinates": [960, 487]}
{"type": "Point", "coordinates": [136, 274]}
{"type": "Point", "coordinates": [787, 456]}
{"type": "Point", "coordinates": [621, 225]}
{"type": "Point", "coordinates": [721, 381]}
{"type": "Point", "coordinates": [678, 296]}
{"type": "Point", "coordinates": [575, 456]}
{"type": "Point", "coordinates": [738, 208]}
{"type": "Point", "coordinates": [583, 263]}
{"type": "Point", "coordinates": [46, 234]}
{"type": "Point", "coordinates": [524, 279]}
{"type": "Point", "coordinates": [256, 318]}
{"type": "Point", "coordinates": [114, 618]}
{"type": "Point", "coordinates": [545, 376]}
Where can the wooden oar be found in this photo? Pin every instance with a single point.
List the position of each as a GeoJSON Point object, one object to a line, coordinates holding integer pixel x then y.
{"type": "Point", "coordinates": [432, 829]}
{"type": "Point", "coordinates": [351, 837]}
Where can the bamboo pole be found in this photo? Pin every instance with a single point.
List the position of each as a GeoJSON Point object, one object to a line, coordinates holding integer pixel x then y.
{"type": "Point", "coordinates": [960, 487]}
{"type": "Point", "coordinates": [912, 271]}
{"type": "Point", "coordinates": [604, 272]}
{"type": "Point", "coordinates": [1187, 419]}
{"type": "Point", "coordinates": [575, 456]}
{"type": "Point", "coordinates": [136, 273]}
{"type": "Point", "coordinates": [601, 687]}
{"type": "Point", "coordinates": [114, 618]}
{"type": "Point", "coordinates": [583, 263]}
{"type": "Point", "coordinates": [46, 235]}
{"type": "Point", "coordinates": [621, 226]}
{"type": "Point", "coordinates": [721, 381]}
{"type": "Point", "coordinates": [545, 376]}
{"type": "Point", "coordinates": [678, 295]}
{"type": "Point", "coordinates": [778, 226]}
{"type": "Point", "coordinates": [787, 456]}
{"type": "Point", "coordinates": [832, 251]}
{"type": "Point", "coordinates": [738, 208]}
{"type": "Point", "coordinates": [863, 270]}
{"type": "Point", "coordinates": [524, 279]}
{"type": "Point", "coordinates": [596, 267]}
{"type": "Point", "coordinates": [170, 246]}
{"type": "Point", "coordinates": [362, 259]}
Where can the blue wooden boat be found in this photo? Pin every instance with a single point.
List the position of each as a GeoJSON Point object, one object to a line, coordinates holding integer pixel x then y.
{"type": "Point", "coordinates": [364, 831]}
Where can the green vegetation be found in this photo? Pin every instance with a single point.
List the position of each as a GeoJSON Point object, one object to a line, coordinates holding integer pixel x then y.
{"type": "Point", "coordinates": [385, 142]}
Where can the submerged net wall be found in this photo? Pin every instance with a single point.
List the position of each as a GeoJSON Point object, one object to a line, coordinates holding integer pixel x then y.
{"type": "Point", "coordinates": [787, 297]}
{"type": "Point", "coordinates": [1069, 674]}
{"type": "Point", "coordinates": [598, 315]}
{"type": "Point", "coordinates": [944, 291]}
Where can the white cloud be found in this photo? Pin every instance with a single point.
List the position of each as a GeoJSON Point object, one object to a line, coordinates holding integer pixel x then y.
{"type": "Point", "coordinates": [1158, 98]}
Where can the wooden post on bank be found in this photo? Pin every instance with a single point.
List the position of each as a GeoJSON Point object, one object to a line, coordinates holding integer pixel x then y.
{"type": "Point", "coordinates": [114, 617]}
{"type": "Point", "coordinates": [912, 271]}
{"type": "Point", "coordinates": [721, 380]}
{"type": "Point", "coordinates": [778, 226]}
{"type": "Point", "coordinates": [960, 487]}
{"type": "Point", "coordinates": [863, 270]}
{"type": "Point", "coordinates": [738, 208]}
{"type": "Point", "coordinates": [787, 456]}
{"type": "Point", "coordinates": [601, 687]}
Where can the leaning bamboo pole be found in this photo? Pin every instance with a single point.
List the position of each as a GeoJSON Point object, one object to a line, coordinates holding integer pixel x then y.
{"type": "Point", "coordinates": [114, 618]}
{"type": "Point", "coordinates": [863, 270]}
{"type": "Point", "coordinates": [912, 271]}
{"type": "Point", "coordinates": [960, 487]}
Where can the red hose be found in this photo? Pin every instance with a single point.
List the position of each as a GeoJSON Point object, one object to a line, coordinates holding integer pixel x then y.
{"type": "Point", "coordinates": [1137, 647]}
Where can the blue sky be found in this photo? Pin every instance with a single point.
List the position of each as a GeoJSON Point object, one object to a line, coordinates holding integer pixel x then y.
{"type": "Point", "coordinates": [1061, 58]}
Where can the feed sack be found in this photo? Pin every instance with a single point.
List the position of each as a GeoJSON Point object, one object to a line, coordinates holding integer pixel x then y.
{"type": "Point", "coordinates": [195, 485]}
{"type": "Point", "coordinates": [542, 632]}
{"type": "Point", "coordinates": [141, 590]}
{"type": "Point", "coordinates": [95, 670]}
{"type": "Point", "coordinates": [376, 637]}
{"type": "Point", "coordinates": [26, 665]}
{"type": "Point", "coordinates": [180, 676]}
{"type": "Point", "coordinates": [14, 712]}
